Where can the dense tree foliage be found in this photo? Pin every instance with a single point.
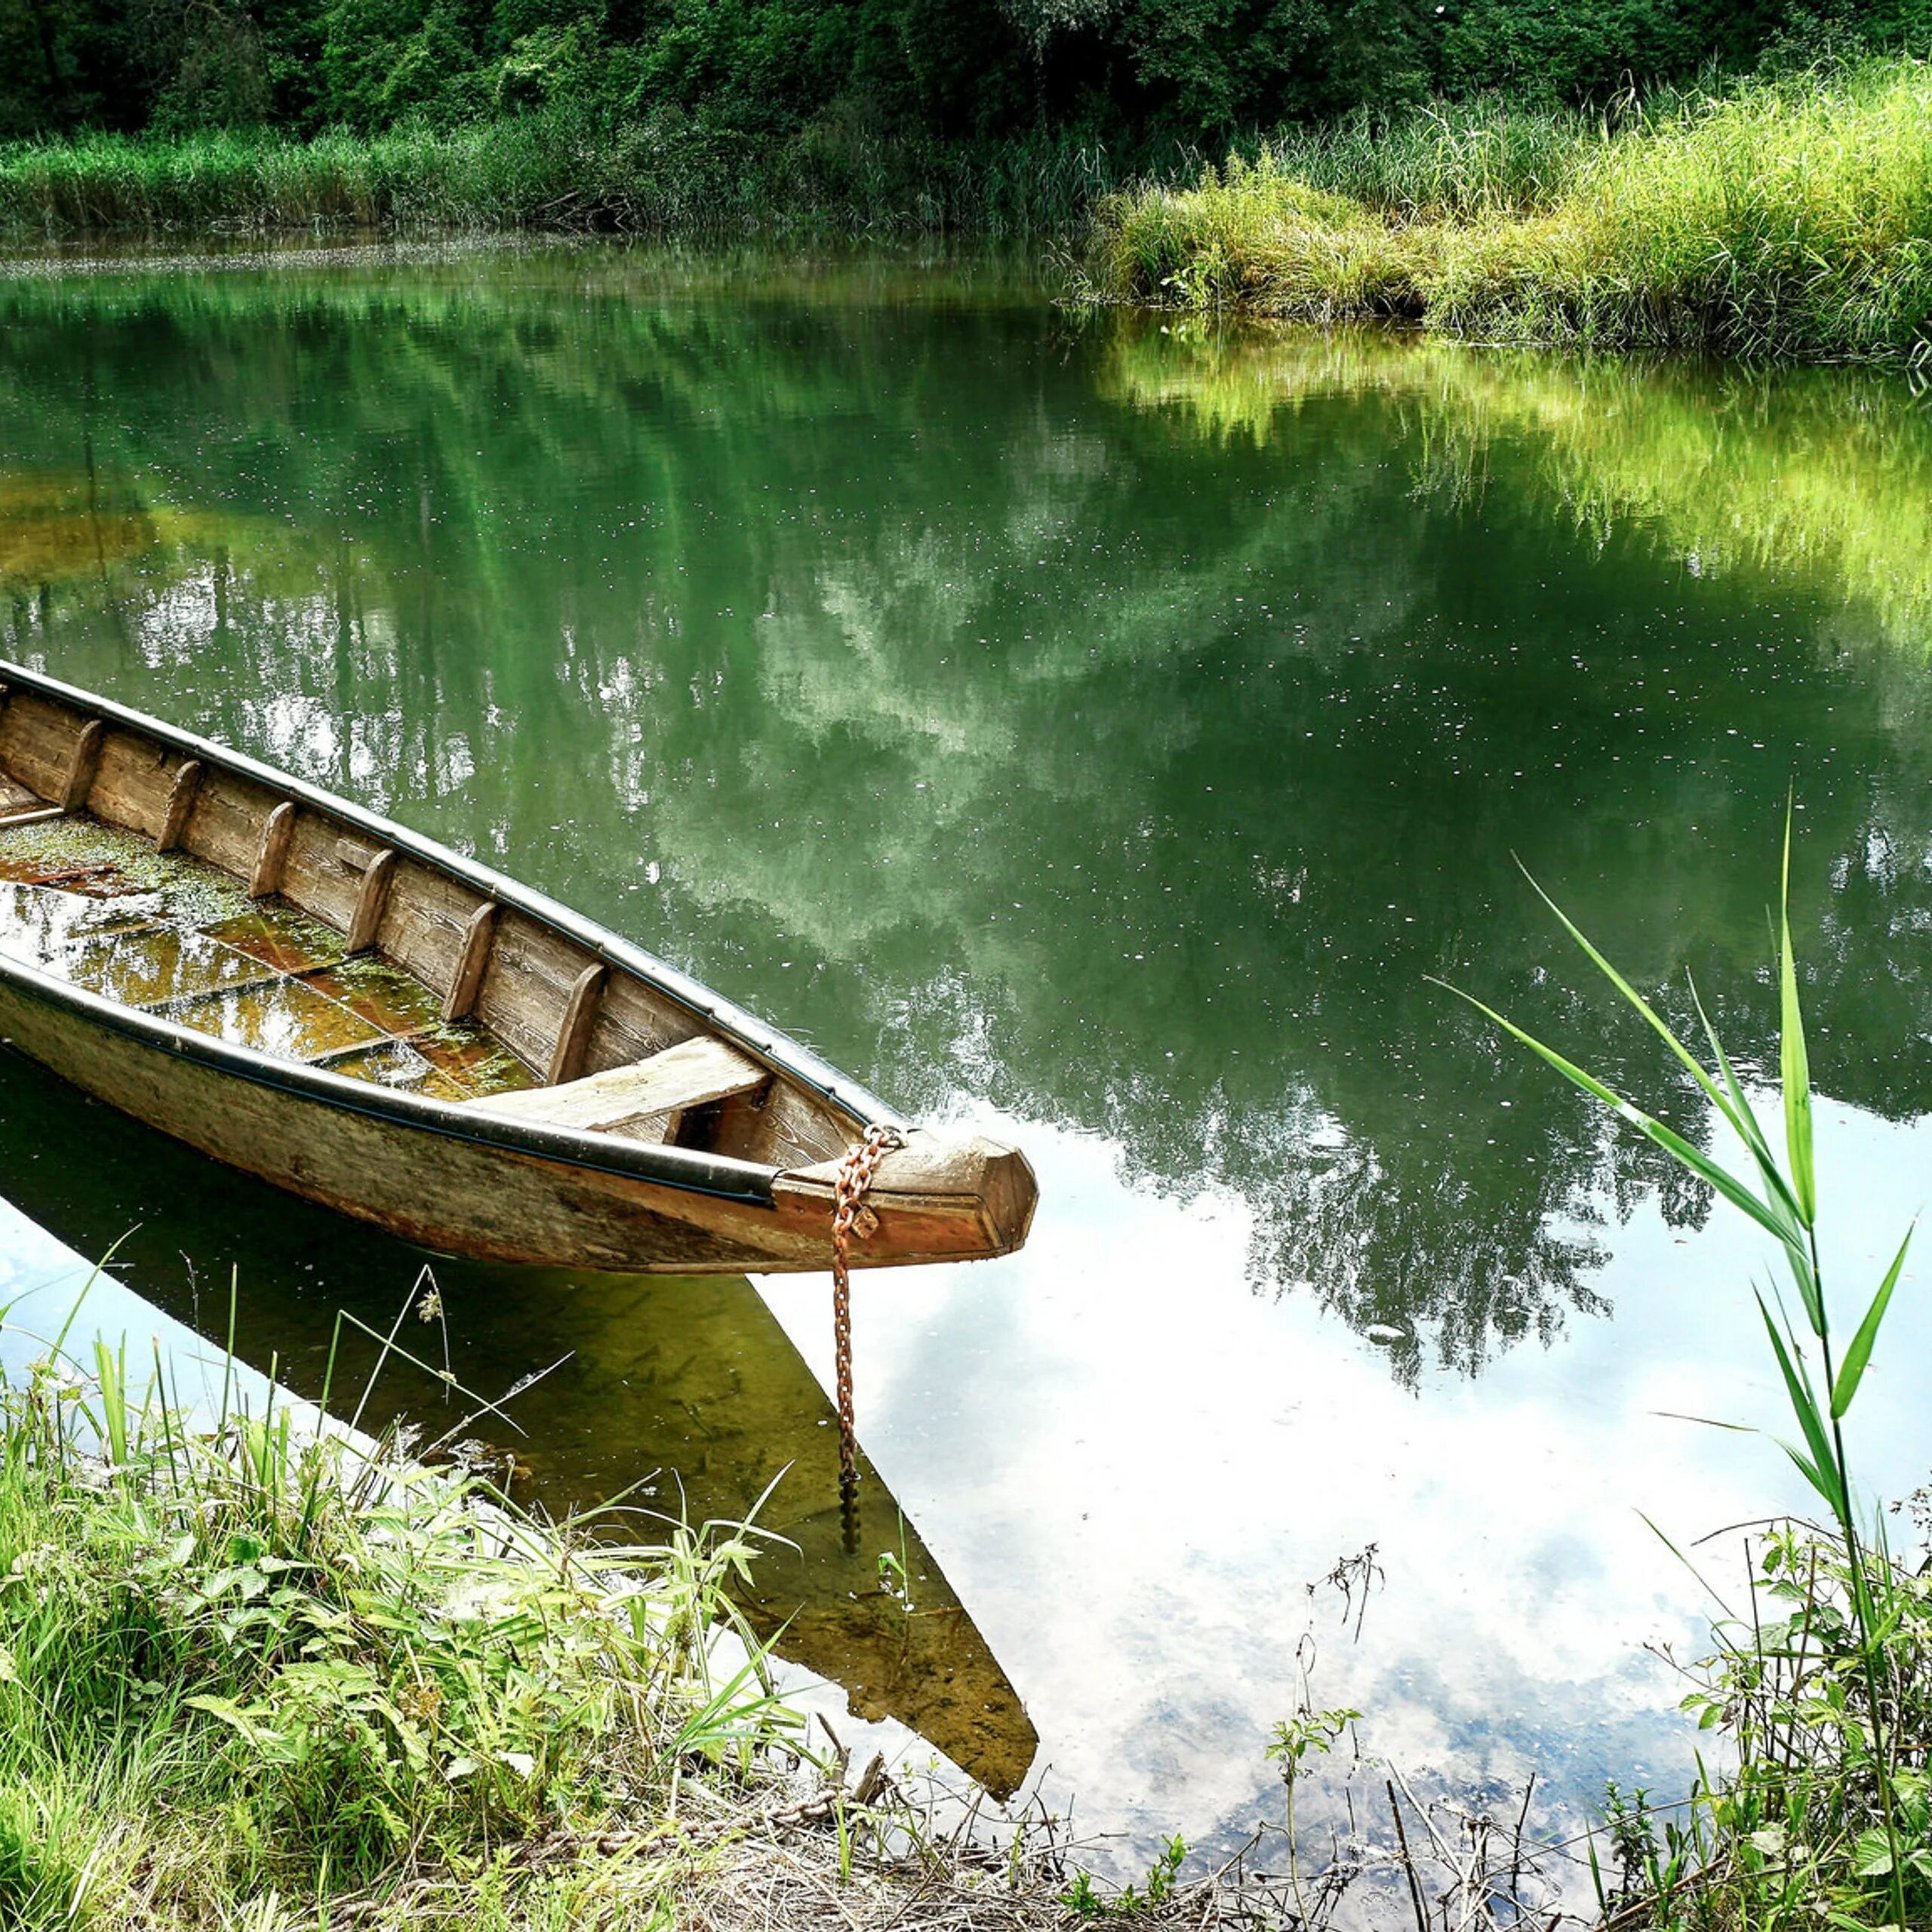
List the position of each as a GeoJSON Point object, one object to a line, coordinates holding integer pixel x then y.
{"type": "Point", "coordinates": [931, 68]}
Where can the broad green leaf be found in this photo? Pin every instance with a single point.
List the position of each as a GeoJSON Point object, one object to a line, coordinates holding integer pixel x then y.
{"type": "Point", "coordinates": [232, 1715]}
{"type": "Point", "coordinates": [1852, 1369]}
{"type": "Point", "coordinates": [1872, 1855]}
{"type": "Point", "coordinates": [1793, 1066]}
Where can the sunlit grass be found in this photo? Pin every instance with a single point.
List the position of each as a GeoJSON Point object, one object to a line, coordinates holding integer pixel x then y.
{"type": "Point", "coordinates": [1789, 217]}
{"type": "Point", "coordinates": [245, 1659]}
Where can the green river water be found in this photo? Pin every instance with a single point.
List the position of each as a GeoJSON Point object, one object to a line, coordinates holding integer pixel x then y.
{"type": "Point", "coordinates": [1103, 731]}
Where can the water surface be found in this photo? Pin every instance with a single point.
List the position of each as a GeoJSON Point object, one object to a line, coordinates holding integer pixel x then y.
{"type": "Point", "coordinates": [1108, 732]}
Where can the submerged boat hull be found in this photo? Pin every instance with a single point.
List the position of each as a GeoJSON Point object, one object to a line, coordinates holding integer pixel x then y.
{"type": "Point", "coordinates": [538, 1176]}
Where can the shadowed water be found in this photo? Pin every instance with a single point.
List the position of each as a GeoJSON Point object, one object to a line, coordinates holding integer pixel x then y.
{"type": "Point", "coordinates": [1119, 728]}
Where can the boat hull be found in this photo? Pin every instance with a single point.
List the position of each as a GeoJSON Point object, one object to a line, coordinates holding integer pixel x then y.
{"type": "Point", "coordinates": [441, 1192]}
{"type": "Point", "coordinates": [449, 1193]}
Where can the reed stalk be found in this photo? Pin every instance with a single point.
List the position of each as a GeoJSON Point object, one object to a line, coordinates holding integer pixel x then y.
{"type": "Point", "coordinates": [1781, 1199]}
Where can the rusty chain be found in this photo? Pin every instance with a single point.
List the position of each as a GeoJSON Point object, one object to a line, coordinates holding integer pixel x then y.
{"type": "Point", "coordinates": [850, 1214]}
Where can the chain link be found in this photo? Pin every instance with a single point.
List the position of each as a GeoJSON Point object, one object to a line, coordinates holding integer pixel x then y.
{"type": "Point", "coordinates": [849, 1212]}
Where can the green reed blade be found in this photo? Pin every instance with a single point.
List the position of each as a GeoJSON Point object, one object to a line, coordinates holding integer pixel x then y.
{"type": "Point", "coordinates": [1673, 1143]}
{"type": "Point", "coordinates": [1852, 1369]}
{"type": "Point", "coordinates": [1746, 1117]}
{"type": "Point", "coordinates": [1656, 1021]}
{"type": "Point", "coordinates": [1793, 1065]}
{"type": "Point", "coordinates": [1822, 1471]}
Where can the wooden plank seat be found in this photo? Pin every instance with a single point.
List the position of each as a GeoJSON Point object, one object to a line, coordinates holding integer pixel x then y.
{"type": "Point", "coordinates": [643, 1101]}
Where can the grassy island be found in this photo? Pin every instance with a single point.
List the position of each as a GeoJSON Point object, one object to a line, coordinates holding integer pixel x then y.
{"type": "Point", "coordinates": [1783, 216]}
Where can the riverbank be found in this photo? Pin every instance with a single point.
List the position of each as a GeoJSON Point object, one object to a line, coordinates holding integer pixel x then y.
{"type": "Point", "coordinates": [256, 1674]}
{"type": "Point", "coordinates": [1787, 217]}
{"type": "Point", "coordinates": [253, 1675]}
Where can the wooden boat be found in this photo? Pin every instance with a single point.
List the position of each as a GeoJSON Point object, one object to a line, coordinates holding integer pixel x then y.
{"type": "Point", "coordinates": [308, 992]}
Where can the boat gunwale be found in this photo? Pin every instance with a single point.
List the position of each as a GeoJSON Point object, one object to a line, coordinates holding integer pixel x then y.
{"type": "Point", "coordinates": [676, 1167]}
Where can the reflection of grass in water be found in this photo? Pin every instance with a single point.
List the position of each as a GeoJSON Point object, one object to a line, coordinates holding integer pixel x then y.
{"type": "Point", "coordinates": [53, 527]}
{"type": "Point", "coordinates": [58, 527]}
{"type": "Point", "coordinates": [1826, 473]}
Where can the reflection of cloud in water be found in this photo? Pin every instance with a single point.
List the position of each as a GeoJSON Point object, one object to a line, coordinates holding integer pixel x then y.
{"type": "Point", "coordinates": [1132, 1470]}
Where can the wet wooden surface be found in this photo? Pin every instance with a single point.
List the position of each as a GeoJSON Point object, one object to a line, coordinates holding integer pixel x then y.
{"type": "Point", "coordinates": [102, 908]}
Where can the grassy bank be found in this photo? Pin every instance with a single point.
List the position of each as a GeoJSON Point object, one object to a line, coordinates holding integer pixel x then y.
{"type": "Point", "coordinates": [251, 1679]}
{"type": "Point", "coordinates": [664, 173]}
{"type": "Point", "coordinates": [1788, 216]}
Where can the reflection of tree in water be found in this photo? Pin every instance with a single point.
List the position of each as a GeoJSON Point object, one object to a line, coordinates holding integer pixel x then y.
{"type": "Point", "coordinates": [912, 678]}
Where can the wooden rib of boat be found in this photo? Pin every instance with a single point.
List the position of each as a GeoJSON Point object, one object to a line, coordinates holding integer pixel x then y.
{"type": "Point", "coordinates": [308, 992]}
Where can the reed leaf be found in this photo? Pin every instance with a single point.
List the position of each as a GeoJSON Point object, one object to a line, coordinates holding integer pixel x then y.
{"type": "Point", "coordinates": [1821, 1470]}
{"type": "Point", "coordinates": [1656, 1022]}
{"type": "Point", "coordinates": [1851, 1371]}
{"type": "Point", "coordinates": [1795, 1070]}
{"type": "Point", "coordinates": [1673, 1143]}
{"type": "Point", "coordinates": [1744, 1118]}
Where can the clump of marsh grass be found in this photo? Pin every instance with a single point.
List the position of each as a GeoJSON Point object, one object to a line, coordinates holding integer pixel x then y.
{"type": "Point", "coordinates": [1790, 216]}
{"type": "Point", "coordinates": [1251, 235]}
{"type": "Point", "coordinates": [1464, 160]}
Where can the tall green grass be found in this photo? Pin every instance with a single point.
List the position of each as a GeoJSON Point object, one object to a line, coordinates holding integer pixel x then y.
{"type": "Point", "coordinates": [1791, 216]}
{"type": "Point", "coordinates": [1464, 160]}
{"type": "Point", "coordinates": [666, 172]}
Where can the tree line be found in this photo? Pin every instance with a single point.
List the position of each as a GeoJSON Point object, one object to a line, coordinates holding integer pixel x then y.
{"type": "Point", "coordinates": [944, 70]}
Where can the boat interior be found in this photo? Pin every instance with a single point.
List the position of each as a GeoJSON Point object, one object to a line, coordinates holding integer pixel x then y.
{"type": "Point", "coordinates": [201, 895]}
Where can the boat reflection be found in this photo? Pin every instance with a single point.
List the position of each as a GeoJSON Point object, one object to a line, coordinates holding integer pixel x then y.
{"type": "Point", "coordinates": [689, 1386]}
